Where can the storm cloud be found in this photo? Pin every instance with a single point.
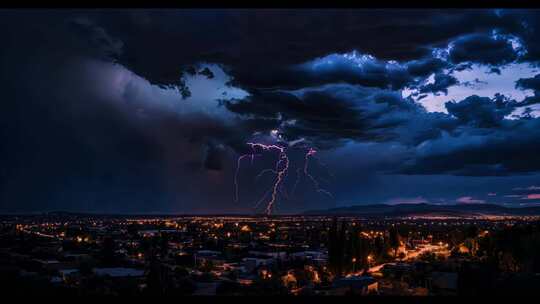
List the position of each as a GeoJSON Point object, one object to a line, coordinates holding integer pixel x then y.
{"type": "Point", "coordinates": [141, 110]}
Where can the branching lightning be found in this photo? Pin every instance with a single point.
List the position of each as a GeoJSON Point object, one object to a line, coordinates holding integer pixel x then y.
{"type": "Point", "coordinates": [279, 172]}
{"type": "Point", "coordinates": [309, 154]}
{"type": "Point", "coordinates": [236, 176]}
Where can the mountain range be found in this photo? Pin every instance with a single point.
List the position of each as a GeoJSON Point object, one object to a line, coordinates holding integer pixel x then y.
{"type": "Point", "coordinates": [423, 209]}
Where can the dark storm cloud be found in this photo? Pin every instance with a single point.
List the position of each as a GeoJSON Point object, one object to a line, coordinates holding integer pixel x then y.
{"type": "Point", "coordinates": [70, 156]}
{"type": "Point", "coordinates": [495, 71]}
{"type": "Point", "coordinates": [352, 68]}
{"type": "Point", "coordinates": [456, 143]}
{"type": "Point", "coordinates": [440, 84]}
{"type": "Point", "coordinates": [366, 70]}
{"type": "Point", "coordinates": [260, 51]}
{"type": "Point", "coordinates": [317, 116]}
{"type": "Point", "coordinates": [82, 133]}
{"type": "Point", "coordinates": [84, 128]}
{"type": "Point", "coordinates": [530, 84]}
{"type": "Point", "coordinates": [206, 72]}
{"type": "Point", "coordinates": [482, 112]}
{"type": "Point", "coordinates": [482, 48]}
{"type": "Point", "coordinates": [507, 150]}
{"type": "Point", "coordinates": [527, 25]}
{"type": "Point", "coordinates": [328, 116]}
{"type": "Point", "coordinates": [96, 37]}
{"type": "Point", "coordinates": [426, 66]}
{"type": "Point", "coordinates": [462, 67]}
{"type": "Point", "coordinates": [214, 157]}
{"type": "Point", "coordinates": [484, 144]}
{"type": "Point", "coordinates": [270, 41]}
{"type": "Point", "coordinates": [475, 83]}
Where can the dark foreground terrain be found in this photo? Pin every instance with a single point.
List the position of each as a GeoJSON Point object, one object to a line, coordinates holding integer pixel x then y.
{"type": "Point", "coordinates": [481, 253]}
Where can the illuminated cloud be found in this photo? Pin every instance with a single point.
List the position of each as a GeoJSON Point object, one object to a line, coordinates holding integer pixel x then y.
{"type": "Point", "coordinates": [532, 196]}
{"type": "Point", "coordinates": [414, 200]}
{"type": "Point", "coordinates": [469, 200]}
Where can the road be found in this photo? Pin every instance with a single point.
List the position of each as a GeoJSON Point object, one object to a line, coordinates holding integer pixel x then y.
{"type": "Point", "coordinates": [410, 255]}
{"type": "Point", "coordinates": [425, 249]}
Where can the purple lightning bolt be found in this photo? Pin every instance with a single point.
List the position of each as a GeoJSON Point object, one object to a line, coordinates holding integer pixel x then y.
{"type": "Point", "coordinates": [280, 171]}
{"type": "Point", "coordinates": [309, 154]}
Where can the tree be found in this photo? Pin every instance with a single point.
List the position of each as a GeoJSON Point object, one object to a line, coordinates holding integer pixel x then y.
{"type": "Point", "coordinates": [379, 247]}
{"type": "Point", "coordinates": [333, 254]}
{"type": "Point", "coordinates": [360, 249]}
{"type": "Point", "coordinates": [108, 251]}
{"type": "Point", "coordinates": [157, 280]}
{"type": "Point", "coordinates": [337, 253]}
{"type": "Point", "coordinates": [133, 230]}
{"type": "Point", "coordinates": [471, 231]}
{"type": "Point", "coordinates": [164, 245]}
{"type": "Point", "coordinates": [341, 248]}
{"type": "Point", "coordinates": [393, 239]}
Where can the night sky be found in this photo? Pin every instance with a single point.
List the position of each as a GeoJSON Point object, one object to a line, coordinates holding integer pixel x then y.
{"type": "Point", "coordinates": [148, 111]}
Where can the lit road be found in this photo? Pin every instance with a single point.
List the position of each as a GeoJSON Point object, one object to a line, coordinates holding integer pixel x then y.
{"type": "Point", "coordinates": [410, 255]}
{"type": "Point", "coordinates": [413, 254]}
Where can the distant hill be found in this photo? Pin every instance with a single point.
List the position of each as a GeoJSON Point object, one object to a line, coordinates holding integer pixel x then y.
{"type": "Point", "coordinates": [460, 210]}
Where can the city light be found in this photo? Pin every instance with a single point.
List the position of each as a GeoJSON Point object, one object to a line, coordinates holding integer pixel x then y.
{"type": "Point", "coordinates": [257, 251]}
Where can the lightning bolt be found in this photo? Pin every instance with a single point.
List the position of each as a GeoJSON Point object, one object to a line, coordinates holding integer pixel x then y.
{"type": "Point", "coordinates": [236, 176]}
{"type": "Point", "coordinates": [309, 154]}
{"type": "Point", "coordinates": [237, 171]}
{"type": "Point", "coordinates": [282, 165]}
{"type": "Point", "coordinates": [280, 171]}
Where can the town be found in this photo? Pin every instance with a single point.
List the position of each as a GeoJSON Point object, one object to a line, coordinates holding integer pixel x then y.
{"type": "Point", "coordinates": [61, 253]}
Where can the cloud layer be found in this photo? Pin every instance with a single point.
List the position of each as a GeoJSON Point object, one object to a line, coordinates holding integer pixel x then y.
{"type": "Point", "coordinates": [99, 103]}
